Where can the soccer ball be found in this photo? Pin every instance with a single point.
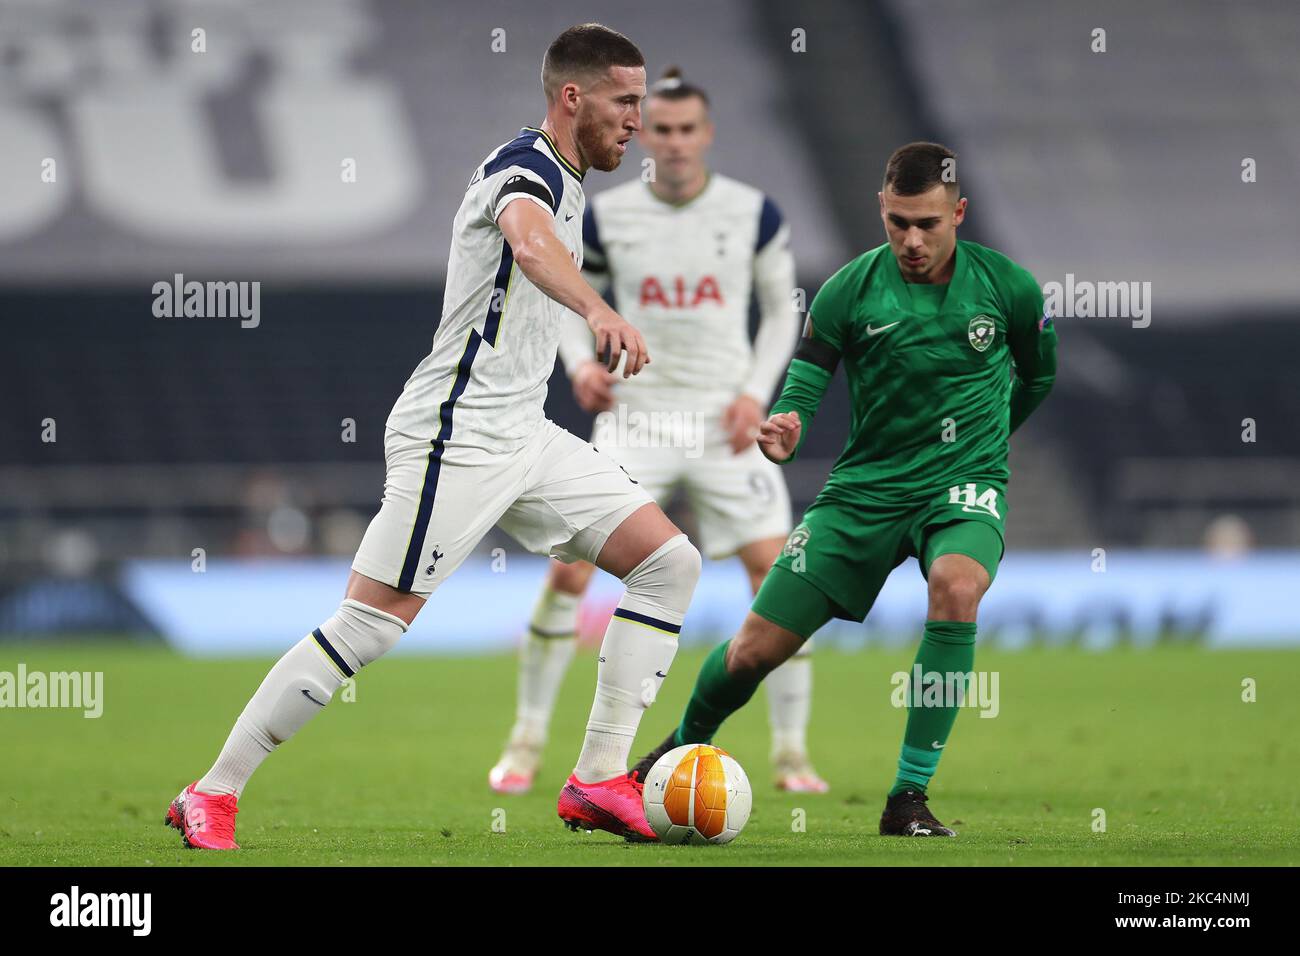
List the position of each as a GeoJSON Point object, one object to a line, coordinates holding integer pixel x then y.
{"type": "Point", "coordinates": [697, 794]}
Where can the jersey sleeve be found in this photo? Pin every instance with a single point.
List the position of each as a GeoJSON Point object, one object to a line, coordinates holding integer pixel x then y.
{"type": "Point", "coordinates": [774, 292]}
{"type": "Point", "coordinates": [815, 358]}
{"type": "Point", "coordinates": [1032, 339]}
{"type": "Point", "coordinates": [522, 174]}
{"type": "Point", "coordinates": [830, 313]}
{"type": "Point", "coordinates": [577, 344]}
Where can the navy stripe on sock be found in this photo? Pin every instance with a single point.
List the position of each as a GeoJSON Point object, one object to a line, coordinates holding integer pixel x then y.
{"type": "Point", "coordinates": [647, 619]}
{"type": "Point", "coordinates": [335, 656]}
{"type": "Point", "coordinates": [549, 634]}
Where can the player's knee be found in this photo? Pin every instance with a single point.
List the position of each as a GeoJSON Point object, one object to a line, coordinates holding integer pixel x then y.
{"type": "Point", "coordinates": [687, 562]}
{"type": "Point", "coordinates": [955, 594]}
{"type": "Point", "coordinates": [362, 634]}
{"type": "Point", "coordinates": [668, 576]}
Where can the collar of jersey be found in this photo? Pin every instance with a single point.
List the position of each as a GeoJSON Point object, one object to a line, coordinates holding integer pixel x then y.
{"type": "Point", "coordinates": [895, 273]}
{"type": "Point", "coordinates": [555, 151]}
{"type": "Point", "coordinates": [708, 181]}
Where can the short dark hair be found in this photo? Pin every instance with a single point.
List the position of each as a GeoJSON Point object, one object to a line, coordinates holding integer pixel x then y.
{"type": "Point", "coordinates": [671, 86]}
{"type": "Point", "coordinates": [584, 50]}
{"type": "Point", "coordinates": [918, 167]}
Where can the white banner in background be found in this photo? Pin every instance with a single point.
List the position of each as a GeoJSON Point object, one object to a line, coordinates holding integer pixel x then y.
{"type": "Point", "coordinates": [263, 607]}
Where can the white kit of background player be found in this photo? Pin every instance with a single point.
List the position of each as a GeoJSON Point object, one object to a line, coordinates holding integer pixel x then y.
{"type": "Point", "coordinates": [682, 272]}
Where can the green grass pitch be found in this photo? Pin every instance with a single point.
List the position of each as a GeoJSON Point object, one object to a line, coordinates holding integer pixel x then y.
{"type": "Point", "coordinates": [1185, 771]}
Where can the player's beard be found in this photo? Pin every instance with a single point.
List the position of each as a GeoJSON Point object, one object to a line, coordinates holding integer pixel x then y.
{"type": "Point", "coordinates": [591, 144]}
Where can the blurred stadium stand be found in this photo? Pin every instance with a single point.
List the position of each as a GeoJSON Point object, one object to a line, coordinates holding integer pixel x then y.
{"type": "Point", "coordinates": [174, 434]}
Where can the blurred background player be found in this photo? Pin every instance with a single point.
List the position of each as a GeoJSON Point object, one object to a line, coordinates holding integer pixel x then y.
{"type": "Point", "coordinates": [930, 330]}
{"type": "Point", "coordinates": [468, 446]}
{"type": "Point", "coordinates": [682, 252]}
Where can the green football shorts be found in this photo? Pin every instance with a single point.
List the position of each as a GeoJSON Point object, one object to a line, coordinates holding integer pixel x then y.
{"type": "Point", "coordinates": [837, 559]}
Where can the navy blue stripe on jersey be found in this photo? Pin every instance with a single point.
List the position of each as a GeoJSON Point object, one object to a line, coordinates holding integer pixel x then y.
{"type": "Point", "coordinates": [520, 151]}
{"type": "Point", "coordinates": [334, 655]}
{"type": "Point", "coordinates": [497, 301]}
{"type": "Point", "coordinates": [647, 620]}
{"type": "Point", "coordinates": [593, 256]}
{"type": "Point", "coordinates": [519, 183]}
{"type": "Point", "coordinates": [590, 232]}
{"type": "Point", "coordinates": [434, 467]}
{"type": "Point", "coordinates": [593, 260]}
{"type": "Point", "coordinates": [769, 221]}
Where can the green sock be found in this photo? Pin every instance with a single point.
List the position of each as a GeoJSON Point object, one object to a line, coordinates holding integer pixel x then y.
{"type": "Point", "coordinates": [717, 695]}
{"type": "Point", "coordinates": [948, 647]}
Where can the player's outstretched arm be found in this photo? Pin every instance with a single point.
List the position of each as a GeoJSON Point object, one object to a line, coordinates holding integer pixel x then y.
{"type": "Point", "coordinates": [805, 383]}
{"type": "Point", "coordinates": [540, 255]}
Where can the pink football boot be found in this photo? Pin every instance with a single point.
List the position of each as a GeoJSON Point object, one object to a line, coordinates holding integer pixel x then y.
{"type": "Point", "coordinates": [516, 769]}
{"type": "Point", "coordinates": [614, 805]}
{"type": "Point", "coordinates": [795, 774]}
{"type": "Point", "coordinates": [206, 820]}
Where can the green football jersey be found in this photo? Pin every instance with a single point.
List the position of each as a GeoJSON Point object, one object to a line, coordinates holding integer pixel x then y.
{"type": "Point", "coordinates": [930, 372]}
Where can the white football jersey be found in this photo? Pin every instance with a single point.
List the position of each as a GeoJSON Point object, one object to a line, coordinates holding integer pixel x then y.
{"type": "Point", "coordinates": [683, 275]}
{"type": "Point", "coordinates": [484, 383]}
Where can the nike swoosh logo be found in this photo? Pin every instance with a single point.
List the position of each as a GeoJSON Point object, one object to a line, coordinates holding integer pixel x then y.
{"type": "Point", "coordinates": [660, 674]}
{"type": "Point", "coordinates": [871, 331]}
{"type": "Point", "coordinates": [308, 695]}
{"type": "Point", "coordinates": [936, 745]}
{"type": "Point", "coordinates": [568, 217]}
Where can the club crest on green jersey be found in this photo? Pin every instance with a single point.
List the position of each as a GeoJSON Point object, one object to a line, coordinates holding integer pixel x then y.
{"type": "Point", "coordinates": [797, 541]}
{"type": "Point", "coordinates": [980, 332]}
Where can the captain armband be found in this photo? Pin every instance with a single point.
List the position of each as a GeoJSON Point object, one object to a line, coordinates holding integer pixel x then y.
{"type": "Point", "coordinates": [817, 352]}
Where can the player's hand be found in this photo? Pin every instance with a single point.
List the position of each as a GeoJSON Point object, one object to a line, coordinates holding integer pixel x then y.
{"type": "Point", "coordinates": [779, 436]}
{"type": "Point", "coordinates": [741, 420]}
{"type": "Point", "coordinates": [593, 387]}
{"type": "Point", "coordinates": [615, 335]}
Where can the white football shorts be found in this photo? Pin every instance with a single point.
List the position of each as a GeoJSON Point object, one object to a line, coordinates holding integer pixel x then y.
{"type": "Point", "coordinates": [737, 499]}
{"type": "Point", "coordinates": [556, 496]}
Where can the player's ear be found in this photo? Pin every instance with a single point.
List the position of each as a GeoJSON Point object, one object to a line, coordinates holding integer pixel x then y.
{"type": "Point", "coordinates": [960, 212]}
{"type": "Point", "coordinates": [570, 96]}
{"type": "Point", "coordinates": [881, 197]}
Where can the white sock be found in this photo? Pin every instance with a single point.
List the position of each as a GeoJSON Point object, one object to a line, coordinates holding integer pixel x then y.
{"type": "Point", "coordinates": [789, 703]}
{"type": "Point", "coordinates": [544, 657]}
{"type": "Point", "coordinates": [301, 683]}
{"type": "Point", "coordinates": [638, 649]}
